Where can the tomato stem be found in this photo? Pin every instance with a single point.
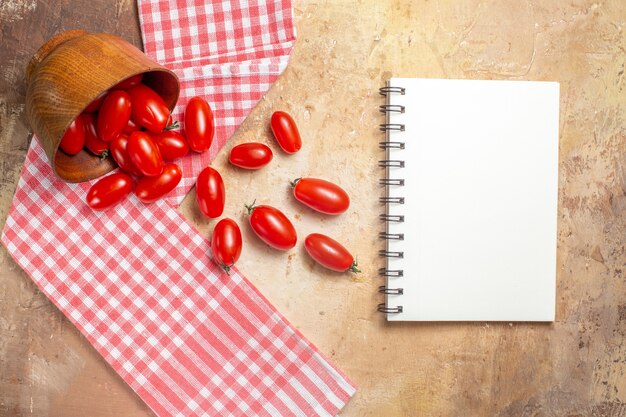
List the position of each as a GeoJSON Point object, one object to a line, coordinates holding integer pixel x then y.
{"type": "Point", "coordinates": [105, 154]}
{"type": "Point", "coordinates": [250, 207]}
{"type": "Point", "coordinates": [294, 182]}
{"type": "Point", "coordinates": [172, 126]}
{"type": "Point", "coordinates": [227, 267]}
{"type": "Point", "coordinates": [354, 268]}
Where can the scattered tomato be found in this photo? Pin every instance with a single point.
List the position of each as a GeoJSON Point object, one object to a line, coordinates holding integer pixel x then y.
{"type": "Point", "coordinates": [329, 253]}
{"type": "Point", "coordinates": [321, 195]}
{"type": "Point", "coordinates": [145, 154]}
{"type": "Point", "coordinates": [251, 155]}
{"type": "Point", "coordinates": [92, 142]}
{"type": "Point", "coordinates": [199, 124]}
{"type": "Point", "coordinates": [113, 115]}
{"type": "Point", "coordinates": [118, 150]}
{"type": "Point", "coordinates": [73, 139]}
{"type": "Point", "coordinates": [150, 189]}
{"type": "Point", "coordinates": [210, 193]}
{"type": "Point", "coordinates": [286, 132]}
{"type": "Point", "coordinates": [94, 106]}
{"type": "Point", "coordinates": [149, 110]}
{"type": "Point", "coordinates": [109, 191]}
{"type": "Point", "coordinates": [226, 243]}
{"type": "Point", "coordinates": [272, 226]}
{"type": "Point", "coordinates": [172, 144]}
{"type": "Point", "coordinates": [129, 82]}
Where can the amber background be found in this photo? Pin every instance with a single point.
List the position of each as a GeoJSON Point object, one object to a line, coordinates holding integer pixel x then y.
{"type": "Point", "coordinates": [344, 52]}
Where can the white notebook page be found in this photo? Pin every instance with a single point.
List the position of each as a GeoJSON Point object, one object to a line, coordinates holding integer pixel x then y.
{"type": "Point", "coordinates": [480, 210]}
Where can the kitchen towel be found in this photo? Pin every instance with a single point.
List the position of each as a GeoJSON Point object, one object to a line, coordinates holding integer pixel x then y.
{"type": "Point", "coordinates": [137, 281]}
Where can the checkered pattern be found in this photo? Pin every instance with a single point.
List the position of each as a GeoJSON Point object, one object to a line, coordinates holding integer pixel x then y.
{"type": "Point", "coordinates": [228, 52]}
{"type": "Point", "coordinates": [137, 281]}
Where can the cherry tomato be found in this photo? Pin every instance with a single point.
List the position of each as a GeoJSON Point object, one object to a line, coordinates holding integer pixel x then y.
{"type": "Point", "coordinates": [131, 127]}
{"type": "Point", "coordinates": [145, 154]}
{"type": "Point", "coordinates": [129, 82]}
{"type": "Point", "coordinates": [321, 195]}
{"type": "Point", "coordinates": [149, 110]}
{"type": "Point", "coordinates": [94, 106]}
{"type": "Point", "coordinates": [171, 144]}
{"type": "Point", "coordinates": [150, 189]}
{"type": "Point", "coordinates": [210, 193]}
{"type": "Point", "coordinates": [119, 152]}
{"type": "Point", "coordinates": [113, 115]}
{"type": "Point", "coordinates": [286, 132]}
{"type": "Point", "coordinates": [272, 226]}
{"type": "Point", "coordinates": [199, 124]}
{"type": "Point", "coordinates": [109, 191]}
{"type": "Point", "coordinates": [250, 155]}
{"type": "Point", "coordinates": [92, 142]}
{"type": "Point", "coordinates": [329, 253]}
{"type": "Point", "coordinates": [226, 243]}
{"type": "Point", "coordinates": [73, 139]}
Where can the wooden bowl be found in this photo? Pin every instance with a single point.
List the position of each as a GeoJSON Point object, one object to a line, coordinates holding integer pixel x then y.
{"type": "Point", "coordinates": [66, 74]}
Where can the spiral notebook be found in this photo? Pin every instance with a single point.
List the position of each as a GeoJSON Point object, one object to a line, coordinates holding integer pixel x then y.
{"type": "Point", "coordinates": [471, 191]}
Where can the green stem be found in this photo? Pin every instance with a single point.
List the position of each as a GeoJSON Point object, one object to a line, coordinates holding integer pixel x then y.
{"type": "Point", "coordinates": [354, 268]}
{"type": "Point", "coordinates": [172, 126]}
{"type": "Point", "coordinates": [250, 207]}
{"type": "Point", "coordinates": [105, 154]}
{"type": "Point", "coordinates": [294, 182]}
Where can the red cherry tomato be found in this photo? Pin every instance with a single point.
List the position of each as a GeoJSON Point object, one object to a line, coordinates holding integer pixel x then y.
{"type": "Point", "coordinates": [109, 191]}
{"type": "Point", "coordinates": [150, 189]}
{"type": "Point", "coordinates": [286, 132]}
{"type": "Point", "coordinates": [149, 110]}
{"type": "Point", "coordinates": [92, 142]}
{"type": "Point", "coordinates": [73, 139]}
{"type": "Point", "coordinates": [145, 154]}
{"type": "Point", "coordinates": [199, 124]}
{"type": "Point", "coordinates": [210, 193]}
{"type": "Point", "coordinates": [272, 226]}
{"type": "Point", "coordinates": [113, 115]}
{"type": "Point", "coordinates": [94, 106]}
{"type": "Point", "coordinates": [226, 243]}
{"type": "Point", "coordinates": [250, 155]}
{"type": "Point", "coordinates": [329, 253]}
{"type": "Point", "coordinates": [119, 152]}
{"type": "Point", "coordinates": [129, 82]}
{"type": "Point", "coordinates": [321, 195]}
{"type": "Point", "coordinates": [131, 127]}
{"type": "Point", "coordinates": [171, 144]}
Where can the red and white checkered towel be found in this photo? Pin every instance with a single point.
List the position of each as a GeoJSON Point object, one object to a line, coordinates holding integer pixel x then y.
{"type": "Point", "coordinates": [137, 280]}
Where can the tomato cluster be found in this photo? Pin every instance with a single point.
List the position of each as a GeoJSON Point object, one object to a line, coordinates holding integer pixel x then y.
{"type": "Point", "coordinates": [129, 123]}
{"type": "Point", "coordinates": [270, 224]}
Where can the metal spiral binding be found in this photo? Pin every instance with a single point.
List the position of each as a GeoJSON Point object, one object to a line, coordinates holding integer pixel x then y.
{"type": "Point", "coordinates": [389, 89]}
{"type": "Point", "coordinates": [391, 236]}
{"type": "Point", "coordinates": [391, 181]}
{"type": "Point", "coordinates": [395, 218]}
{"type": "Point", "coordinates": [390, 253]}
{"type": "Point", "coordinates": [388, 163]}
{"type": "Point", "coordinates": [391, 145]}
{"type": "Point", "coordinates": [392, 163]}
{"type": "Point", "coordinates": [393, 108]}
{"type": "Point", "coordinates": [382, 308]}
{"type": "Point", "coordinates": [396, 273]}
{"type": "Point", "coordinates": [385, 127]}
{"type": "Point", "coordinates": [394, 200]}
{"type": "Point", "coordinates": [383, 289]}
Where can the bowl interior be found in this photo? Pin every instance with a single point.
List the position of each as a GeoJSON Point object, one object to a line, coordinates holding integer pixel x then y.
{"type": "Point", "coordinates": [85, 166]}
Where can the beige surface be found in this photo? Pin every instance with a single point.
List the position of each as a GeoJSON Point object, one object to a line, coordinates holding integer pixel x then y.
{"type": "Point", "coordinates": [345, 51]}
